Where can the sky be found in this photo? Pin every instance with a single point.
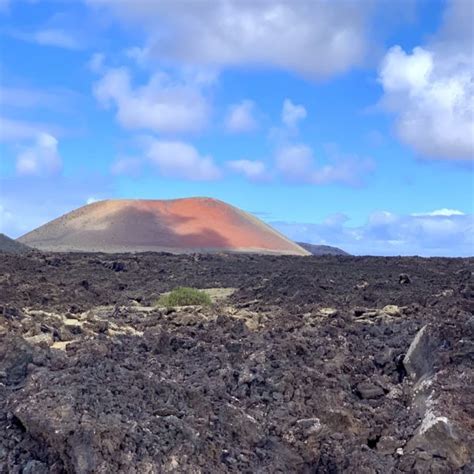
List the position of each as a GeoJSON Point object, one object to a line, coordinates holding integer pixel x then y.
{"type": "Point", "coordinates": [346, 123]}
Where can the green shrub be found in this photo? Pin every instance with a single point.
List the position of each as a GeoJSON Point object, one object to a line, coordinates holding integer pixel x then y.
{"type": "Point", "coordinates": [183, 296]}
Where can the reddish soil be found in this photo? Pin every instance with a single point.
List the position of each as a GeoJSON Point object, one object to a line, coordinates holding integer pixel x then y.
{"type": "Point", "coordinates": [303, 369]}
{"type": "Point", "coordinates": [178, 226]}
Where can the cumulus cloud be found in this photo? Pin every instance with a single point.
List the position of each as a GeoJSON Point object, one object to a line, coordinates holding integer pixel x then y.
{"type": "Point", "coordinates": [176, 159]}
{"type": "Point", "coordinates": [253, 170]}
{"type": "Point", "coordinates": [330, 37]}
{"type": "Point", "coordinates": [387, 233]}
{"type": "Point", "coordinates": [440, 212]}
{"type": "Point", "coordinates": [431, 89]}
{"type": "Point", "coordinates": [291, 113]}
{"type": "Point", "coordinates": [163, 104]}
{"type": "Point", "coordinates": [297, 163]}
{"type": "Point", "coordinates": [240, 117]}
{"type": "Point", "coordinates": [170, 159]}
{"type": "Point", "coordinates": [42, 158]}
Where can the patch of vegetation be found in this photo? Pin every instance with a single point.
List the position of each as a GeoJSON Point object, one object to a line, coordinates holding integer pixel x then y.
{"type": "Point", "coordinates": [184, 296]}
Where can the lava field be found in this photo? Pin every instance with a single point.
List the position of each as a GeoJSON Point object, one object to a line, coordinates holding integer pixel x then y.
{"type": "Point", "coordinates": [302, 364]}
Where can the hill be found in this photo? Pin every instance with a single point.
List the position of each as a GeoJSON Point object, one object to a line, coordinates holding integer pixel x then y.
{"type": "Point", "coordinates": [176, 226]}
{"type": "Point", "coordinates": [322, 249]}
{"type": "Point", "coordinates": [9, 245]}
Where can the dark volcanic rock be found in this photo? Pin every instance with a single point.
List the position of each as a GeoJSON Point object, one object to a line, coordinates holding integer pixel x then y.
{"type": "Point", "coordinates": [369, 390]}
{"type": "Point", "coordinates": [306, 372]}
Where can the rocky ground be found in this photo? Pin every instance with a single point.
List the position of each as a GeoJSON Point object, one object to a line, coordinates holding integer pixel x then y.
{"type": "Point", "coordinates": [303, 364]}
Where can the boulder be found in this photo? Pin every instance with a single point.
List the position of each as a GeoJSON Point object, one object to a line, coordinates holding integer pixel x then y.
{"type": "Point", "coordinates": [15, 355]}
{"type": "Point", "coordinates": [440, 437]}
{"type": "Point", "coordinates": [391, 310]}
{"type": "Point", "coordinates": [368, 390]}
{"type": "Point", "coordinates": [420, 358]}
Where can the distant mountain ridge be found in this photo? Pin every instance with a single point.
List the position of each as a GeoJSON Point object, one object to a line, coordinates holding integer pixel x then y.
{"type": "Point", "coordinates": [322, 249]}
{"type": "Point", "coordinates": [8, 245]}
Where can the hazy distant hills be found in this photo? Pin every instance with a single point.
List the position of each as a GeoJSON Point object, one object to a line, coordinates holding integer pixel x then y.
{"type": "Point", "coordinates": [322, 249]}
{"type": "Point", "coordinates": [9, 245]}
{"type": "Point", "coordinates": [176, 226]}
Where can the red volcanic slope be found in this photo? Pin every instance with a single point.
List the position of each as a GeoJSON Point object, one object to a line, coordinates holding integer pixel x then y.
{"type": "Point", "coordinates": [178, 226]}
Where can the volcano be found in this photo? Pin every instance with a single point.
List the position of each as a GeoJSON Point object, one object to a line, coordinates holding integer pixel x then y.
{"type": "Point", "coordinates": [177, 226]}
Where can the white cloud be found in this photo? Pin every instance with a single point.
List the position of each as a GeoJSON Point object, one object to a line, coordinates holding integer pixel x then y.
{"type": "Point", "coordinates": [91, 200]}
{"type": "Point", "coordinates": [170, 159]}
{"type": "Point", "coordinates": [297, 163]}
{"type": "Point", "coordinates": [387, 233]}
{"type": "Point", "coordinates": [55, 37]}
{"type": "Point", "coordinates": [253, 170]}
{"type": "Point", "coordinates": [291, 113]}
{"type": "Point", "coordinates": [176, 159]}
{"type": "Point", "coordinates": [15, 99]}
{"type": "Point", "coordinates": [240, 117]}
{"type": "Point", "coordinates": [318, 39]}
{"type": "Point", "coordinates": [161, 105]}
{"type": "Point", "coordinates": [42, 158]}
{"type": "Point", "coordinates": [440, 212]}
{"type": "Point", "coordinates": [431, 89]}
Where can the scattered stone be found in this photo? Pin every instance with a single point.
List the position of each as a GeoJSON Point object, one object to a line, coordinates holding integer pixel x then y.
{"type": "Point", "coordinates": [309, 426]}
{"type": "Point", "coordinates": [388, 445]}
{"type": "Point", "coordinates": [359, 312]}
{"type": "Point", "coordinates": [368, 390]}
{"type": "Point", "coordinates": [186, 319]}
{"type": "Point", "coordinates": [420, 357]}
{"type": "Point", "coordinates": [391, 310]}
{"type": "Point", "coordinates": [438, 436]}
{"type": "Point", "coordinates": [328, 312]}
{"type": "Point", "coordinates": [404, 279]}
{"type": "Point", "coordinates": [35, 467]}
{"type": "Point", "coordinates": [384, 357]}
{"type": "Point", "coordinates": [43, 338]}
{"type": "Point", "coordinates": [118, 267]}
{"type": "Point", "coordinates": [366, 313]}
{"type": "Point", "coordinates": [15, 355]}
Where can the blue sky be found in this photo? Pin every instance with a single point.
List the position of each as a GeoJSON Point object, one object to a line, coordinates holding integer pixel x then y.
{"type": "Point", "coordinates": [347, 123]}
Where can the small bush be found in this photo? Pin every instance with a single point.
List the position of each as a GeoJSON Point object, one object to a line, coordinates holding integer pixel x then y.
{"type": "Point", "coordinates": [185, 297]}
